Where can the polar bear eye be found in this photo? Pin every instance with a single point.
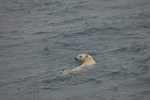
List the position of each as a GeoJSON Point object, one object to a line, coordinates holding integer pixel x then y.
{"type": "Point", "coordinates": [80, 56]}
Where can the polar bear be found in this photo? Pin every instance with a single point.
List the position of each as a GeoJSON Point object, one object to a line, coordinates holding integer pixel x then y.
{"type": "Point", "coordinates": [85, 60]}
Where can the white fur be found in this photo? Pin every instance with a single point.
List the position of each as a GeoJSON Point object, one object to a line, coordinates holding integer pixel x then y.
{"type": "Point", "coordinates": [85, 61]}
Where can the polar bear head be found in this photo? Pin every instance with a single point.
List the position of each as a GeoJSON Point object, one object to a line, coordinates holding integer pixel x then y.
{"type": "Point", "coordinates": [84, 58]}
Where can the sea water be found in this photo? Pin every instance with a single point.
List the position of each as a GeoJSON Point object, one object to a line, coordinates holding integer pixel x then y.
{"type": "Point", "coordinates": [40, 38]}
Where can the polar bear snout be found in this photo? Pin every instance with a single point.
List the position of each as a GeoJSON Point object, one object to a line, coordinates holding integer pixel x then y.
{"type": "Point", "coordinates": [76, 59]}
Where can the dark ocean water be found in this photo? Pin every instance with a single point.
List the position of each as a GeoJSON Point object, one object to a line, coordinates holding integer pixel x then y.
{"type": "Point", "coordinates": [40, 38]}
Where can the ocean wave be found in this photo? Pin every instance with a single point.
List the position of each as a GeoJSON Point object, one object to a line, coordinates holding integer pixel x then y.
{"type": "Point", "coordinates": [134, 48]}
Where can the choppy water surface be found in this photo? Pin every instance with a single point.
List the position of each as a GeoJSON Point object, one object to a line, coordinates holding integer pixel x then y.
{"type": "Point", "coordinates": [40, 38]}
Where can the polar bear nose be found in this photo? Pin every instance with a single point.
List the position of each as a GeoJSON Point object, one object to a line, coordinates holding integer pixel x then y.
{"type": "Point", "coordinates": [75, 58]}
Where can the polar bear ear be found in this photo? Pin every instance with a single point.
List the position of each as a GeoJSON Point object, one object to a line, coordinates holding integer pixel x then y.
{"type": "Point", "coordinates": [86, 55]}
